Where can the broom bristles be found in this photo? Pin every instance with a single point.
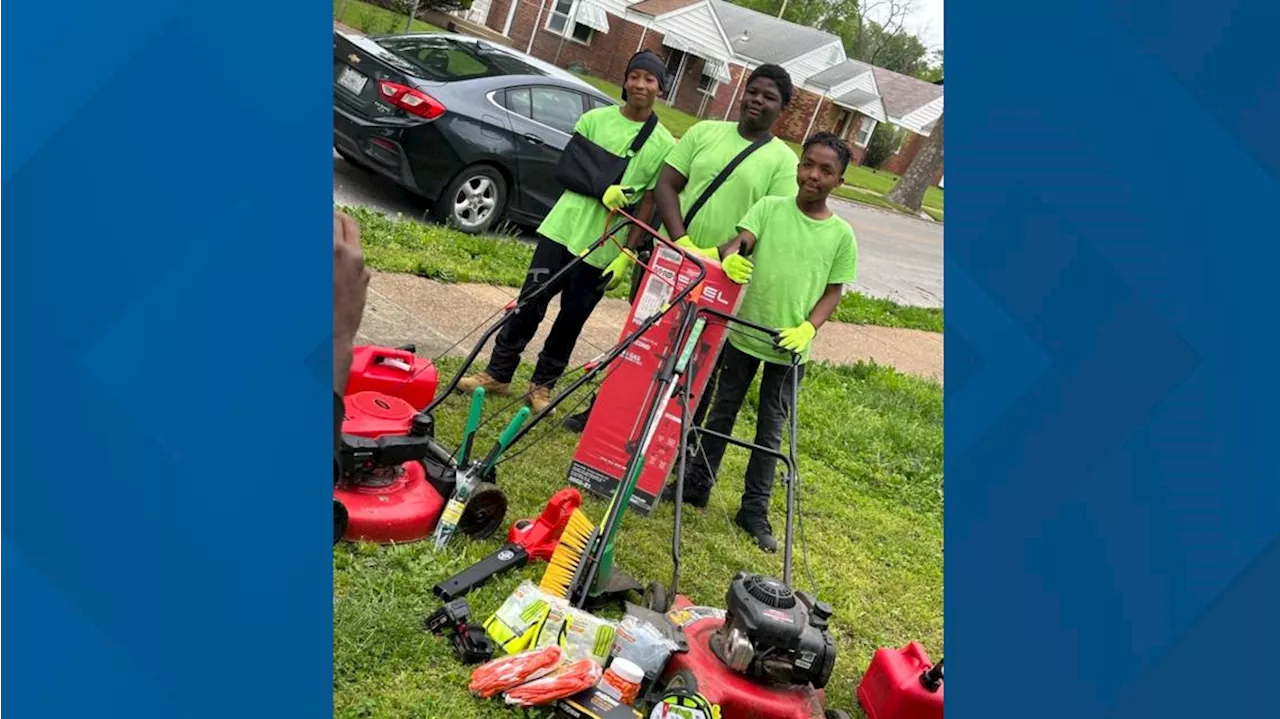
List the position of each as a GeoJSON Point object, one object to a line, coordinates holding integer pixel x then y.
{"type": "Point", "coordinates": [573, 546]}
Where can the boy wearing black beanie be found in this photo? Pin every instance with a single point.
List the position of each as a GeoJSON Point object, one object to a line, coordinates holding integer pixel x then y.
{"type": "Point", "coordinates": [570, 228]}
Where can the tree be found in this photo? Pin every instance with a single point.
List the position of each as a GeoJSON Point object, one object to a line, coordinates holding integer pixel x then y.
{"type": "Point", "coordinates": [933, 71]}
{"type": "Point", "coordinates": [910, 188]}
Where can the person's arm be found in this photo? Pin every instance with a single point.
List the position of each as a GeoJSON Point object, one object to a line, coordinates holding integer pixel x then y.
{"type": "Point", "coordinates": [350, 291]}
{"type": "Point", "coordinates": [672, 181]}
{"type": "Point", "coordinates": [744, 244]}
{"type": "Point", "coordinates": [667, 194]}
{"type": "Point", "coordinates": [826, 306]}
{"type": "Point", "coordinates": [636, 234]}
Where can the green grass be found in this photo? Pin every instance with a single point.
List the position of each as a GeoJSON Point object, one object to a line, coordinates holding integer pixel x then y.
{"type": "Point", "coordinates": [859, 309]}
{"type": "Point", "coordinates": [374, 20]}
{"type": "Point", "coordinates": [439, 253]}
{"type": "Point", "coordinates": [870, 462]}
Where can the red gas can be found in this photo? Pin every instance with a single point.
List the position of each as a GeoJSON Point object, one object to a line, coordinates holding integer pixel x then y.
{"type": "Point", "coordinates": [395, 372]}
{"type": "Point", "coordinates": [899, 685]}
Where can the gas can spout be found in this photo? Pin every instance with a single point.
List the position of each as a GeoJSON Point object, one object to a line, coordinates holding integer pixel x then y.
{"type": "Point", "coordinates": [932, 679]}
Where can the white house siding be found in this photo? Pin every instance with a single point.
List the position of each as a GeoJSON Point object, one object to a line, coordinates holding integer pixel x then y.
{"type": "Point", "coordinates": [698, 25]}
{"type": "Point", "coordinates": [917, 120]}
{"type": "Point", "coordinates": [811, 63]}
{"type": "Point", "coordinates": [866, 82]}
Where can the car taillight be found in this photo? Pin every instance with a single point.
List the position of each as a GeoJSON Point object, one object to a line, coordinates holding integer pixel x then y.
{"type": "Point", "coordinates": [410, 100]}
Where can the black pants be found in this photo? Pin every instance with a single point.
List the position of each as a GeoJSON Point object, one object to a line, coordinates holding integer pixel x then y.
{"type": "Point", "coordinates": [580, 291]}
{"type": "Point", "coordinates": [733, 377]}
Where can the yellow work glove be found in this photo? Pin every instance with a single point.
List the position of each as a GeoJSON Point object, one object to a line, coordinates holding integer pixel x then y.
{"type": "Point", "coordinates": [617, 271]}
{"type": "Point", "coordinates": [687, 244]}
{"type": "Point", "coordinates": [614, 197]}
{"type": "Point", "coordinates": [738, 268]}
{"type": "Point", "coordinates": [797, 339]}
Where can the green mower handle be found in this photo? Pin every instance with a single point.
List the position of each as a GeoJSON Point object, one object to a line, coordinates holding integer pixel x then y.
{"type": "Point", "coordinates": [504, 440]}
{"type": "Point", "coordinates": [473, 424]}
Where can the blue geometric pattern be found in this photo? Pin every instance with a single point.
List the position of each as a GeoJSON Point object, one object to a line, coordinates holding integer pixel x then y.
{"type": "Point", "coordinates": [167, 185]}
{"type": "Point", "coordinates": [1113, 517]}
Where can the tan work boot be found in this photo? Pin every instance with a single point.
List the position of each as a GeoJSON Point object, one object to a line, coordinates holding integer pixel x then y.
{"type": "Point", "coordinates": [538, 397]}
{"type": "Point", "coordinates": [468, 384]}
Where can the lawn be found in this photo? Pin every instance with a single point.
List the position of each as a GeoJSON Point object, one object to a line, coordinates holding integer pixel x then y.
{"type": "Point", "coordinates": [374, 20]}
{"type": "Point", "coordinates": [870, 462]}
{"type": "Point", "coordinates": [439, 253]}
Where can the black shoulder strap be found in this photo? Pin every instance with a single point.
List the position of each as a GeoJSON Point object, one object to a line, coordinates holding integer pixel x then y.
{"type": "Point", "coordinates": [645, 132]}
{"type": "Point", "coordinates": [720, 179]}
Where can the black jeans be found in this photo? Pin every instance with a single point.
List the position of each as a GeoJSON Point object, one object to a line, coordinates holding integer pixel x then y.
{"type": "Point", "coordinates": [733, 378]}
{"type": "Point", "coordinates": [580, 291]}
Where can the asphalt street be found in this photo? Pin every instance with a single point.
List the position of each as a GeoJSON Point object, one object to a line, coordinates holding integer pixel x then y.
{"type": "Point", "coordinates": [899, 257]}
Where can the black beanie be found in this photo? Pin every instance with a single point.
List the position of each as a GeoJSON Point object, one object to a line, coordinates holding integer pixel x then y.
{"type": "Point", "coordinates": [646, 60]}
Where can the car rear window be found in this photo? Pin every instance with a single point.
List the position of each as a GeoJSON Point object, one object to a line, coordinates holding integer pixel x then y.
{"type": "Point", "coordinates": [439, 58]}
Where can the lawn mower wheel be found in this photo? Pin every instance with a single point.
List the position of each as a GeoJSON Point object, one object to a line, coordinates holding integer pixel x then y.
{"type": "Point", "coordinates": [485, 512]}
{"type": "Point", "coordinates": [656, 598]}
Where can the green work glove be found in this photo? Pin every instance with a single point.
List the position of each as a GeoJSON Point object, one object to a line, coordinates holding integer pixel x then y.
{"type": "Point", "coordinates": [687, 244]}
{"type": "Point", "coordinates": [617, 270]}
{"type": "Point", "coordinates": [797, 339]}
{"type": "Point", "coordinates": [614, 197]}
{"type": "Point", "coordinates": [738, 268]}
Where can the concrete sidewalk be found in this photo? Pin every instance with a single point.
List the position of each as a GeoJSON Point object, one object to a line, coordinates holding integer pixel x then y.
{"type": "Point", "coordinates": [437, 317]}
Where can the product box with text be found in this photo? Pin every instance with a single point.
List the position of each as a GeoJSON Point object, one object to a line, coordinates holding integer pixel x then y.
{"type": "Point", "coordinates": [614, 425]}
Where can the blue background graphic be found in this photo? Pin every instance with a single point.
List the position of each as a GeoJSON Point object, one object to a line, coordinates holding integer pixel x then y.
{"type": "Point", "coordinates": [166, 294]}
{"type": "Point", "coordinates": [1112, 506]}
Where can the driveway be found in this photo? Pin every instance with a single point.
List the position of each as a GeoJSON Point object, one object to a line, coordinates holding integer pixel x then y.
{"type": "Point", "coordinates": [899, 257]}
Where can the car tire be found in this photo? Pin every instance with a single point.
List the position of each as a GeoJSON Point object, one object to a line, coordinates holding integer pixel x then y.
{"type": "Point", "coordinates": [474, 201]}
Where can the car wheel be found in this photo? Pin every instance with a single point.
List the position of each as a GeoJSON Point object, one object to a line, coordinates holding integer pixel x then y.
{"type": "Point", "coordinates": [474, 201]}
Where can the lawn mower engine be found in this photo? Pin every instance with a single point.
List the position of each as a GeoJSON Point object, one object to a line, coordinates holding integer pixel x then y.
{"type": "Point", "coordinates": [768, 656]}
{"type": "Point", "coordinates": [393, 478]}
{"type": "Point", "coordinates": [775, 635]}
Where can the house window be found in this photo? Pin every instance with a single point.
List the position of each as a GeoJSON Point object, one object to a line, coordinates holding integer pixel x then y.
{"type": "Point", "coordinates": [707, 83]}
{"type": "Point", "coordinates": [559, 17]}
{"type": "Point", "coordinates": [865, 129]}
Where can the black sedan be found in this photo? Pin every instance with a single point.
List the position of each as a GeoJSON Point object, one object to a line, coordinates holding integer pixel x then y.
{"type": "Point", "coordinates": [473, 127]}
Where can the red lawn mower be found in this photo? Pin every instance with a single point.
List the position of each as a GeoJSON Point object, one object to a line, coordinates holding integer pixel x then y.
{"type": "Point", "coordinates": [768, 655]}
{"type": "Point", "coordinates": [393, 480]}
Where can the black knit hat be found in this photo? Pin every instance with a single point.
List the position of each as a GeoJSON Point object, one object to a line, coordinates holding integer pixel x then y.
{"type": "Point", "coordinates": [649, 61]}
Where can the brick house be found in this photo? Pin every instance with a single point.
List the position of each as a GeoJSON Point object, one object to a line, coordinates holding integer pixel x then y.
{"type": "Point", "coordinates": [914, 106]}
{"type": "Point", "coordinates": [710, 46]}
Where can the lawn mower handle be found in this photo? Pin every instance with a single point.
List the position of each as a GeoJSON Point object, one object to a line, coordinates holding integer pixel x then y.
{"type": "Point", "coordinates": [510, 312]}
{"type": "Point", "coordinates": [687, 431]}
{"type": "Point", "coordinates": [630, 339]}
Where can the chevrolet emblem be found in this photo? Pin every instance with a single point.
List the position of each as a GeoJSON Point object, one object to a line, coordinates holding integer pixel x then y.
{"type": "Point", "coordinates": [354, 58]}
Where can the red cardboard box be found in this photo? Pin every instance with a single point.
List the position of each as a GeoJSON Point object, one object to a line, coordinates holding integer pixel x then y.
{"type": "Point", "coordinates": [614, 425]}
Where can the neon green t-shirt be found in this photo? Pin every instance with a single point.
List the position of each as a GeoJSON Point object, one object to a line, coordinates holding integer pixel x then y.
{"type": "Point", "coordinates": [795, 258]}
{"type": "Point", "coordinates": [700, 156]}
{"type": "Point", "coordinates": [576, 220]}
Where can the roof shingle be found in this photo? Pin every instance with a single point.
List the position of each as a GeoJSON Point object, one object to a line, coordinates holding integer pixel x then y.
{"type": "Point", "coordinates": [769, 39]}
{"type": "Point", "coordinates": [904, 94]}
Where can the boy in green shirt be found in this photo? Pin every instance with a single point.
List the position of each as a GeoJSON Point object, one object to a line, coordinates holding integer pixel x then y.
{"type": "Point", "coordinates": [699, 157]}
{"type": "Point", "coordinates": [569, 229]}
{"type": "Point", "coordinates": [801, 256]}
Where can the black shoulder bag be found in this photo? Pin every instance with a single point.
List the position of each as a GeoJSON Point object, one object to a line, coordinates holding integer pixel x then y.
{"type": "Point", "coordinates": [588, 169]}
{"type": "Point", "coordinates": [647, 248]}
{"type": "Point", "coordinates": [720, 179]}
